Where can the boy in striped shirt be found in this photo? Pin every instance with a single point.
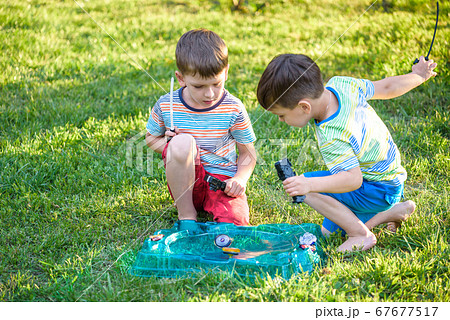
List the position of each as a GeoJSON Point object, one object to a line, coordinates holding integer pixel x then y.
{"type": "Point", "coordinates": [364, 182]}
{"type": "Point", "coordinates": [210, 124]}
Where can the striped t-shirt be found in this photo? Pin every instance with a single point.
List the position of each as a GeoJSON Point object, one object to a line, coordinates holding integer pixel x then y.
{"type": "Point", "coordinates": [356, 136]}
{"type": "Point", "coordinates": [216, 129]}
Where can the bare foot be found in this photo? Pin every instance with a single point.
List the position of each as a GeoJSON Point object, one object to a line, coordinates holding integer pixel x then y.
{"type": "Point", "coordinates": [358, 243]}
{"type": "Point", "coordinates": [393, 226]}
{"type": "Point", "coordinates": [402, 211]}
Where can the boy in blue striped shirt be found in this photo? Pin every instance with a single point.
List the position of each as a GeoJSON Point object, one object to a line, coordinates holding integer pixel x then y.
{"type": "Point", "coordinates": [365, 179]}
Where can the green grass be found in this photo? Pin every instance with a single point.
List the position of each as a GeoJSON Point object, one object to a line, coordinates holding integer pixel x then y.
{"type": "Point", "coordinates": [73, 213]}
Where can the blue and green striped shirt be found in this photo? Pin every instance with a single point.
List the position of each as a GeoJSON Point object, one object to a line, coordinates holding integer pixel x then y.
{"type": "Point", "coordinates": [356, 136]}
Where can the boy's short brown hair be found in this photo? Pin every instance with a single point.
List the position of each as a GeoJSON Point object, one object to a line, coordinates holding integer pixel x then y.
{"type": "Point", "coordinates": [288, 79]}
{"type": "Point", "coordinates": [202, 52]}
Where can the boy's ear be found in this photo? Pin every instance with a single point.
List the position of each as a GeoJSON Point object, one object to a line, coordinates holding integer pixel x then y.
{"type": "Point", "coordinates": [226, 72]}
{"type": "Point", "coordinates": [180, 79]}
{"type": "Point", "coordinates": [305, 105]}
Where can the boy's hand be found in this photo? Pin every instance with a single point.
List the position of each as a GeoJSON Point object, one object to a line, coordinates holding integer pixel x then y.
{"type": "Point", "coordinates": [171, 134]}
{"type": "Point", "coordinates": [424, 68]}
{"type": "Point", "coordinates": [395, 86]}
{"type": "Point", "coordinates": [235, 187]}
{"type": "Point", "coordinates": [296, 186]}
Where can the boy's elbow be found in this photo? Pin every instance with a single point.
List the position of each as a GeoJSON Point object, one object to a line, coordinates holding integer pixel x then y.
{"type": "Point", "coordinates": [152, 142]}
{"type": "Point", "coordinates": [358, 182]}
{"type": "Point", "coordinates": [249, 160]}
{"type": "Point", "coordinates": [149, 140]}
{"type": "Point", "coordinates": [356, 179]}
{"type": "Point", "coordinates": [383, 90]}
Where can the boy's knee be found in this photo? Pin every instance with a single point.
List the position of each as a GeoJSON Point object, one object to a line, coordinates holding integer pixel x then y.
{"type": "Point", "coordinates": [228, 209]}
{"type": "Point", "coordinates": [181, 147]}
{"type": "Point", "coordinates": [311, 198]}
{"type": "Point", "coordinates": [238, 219]}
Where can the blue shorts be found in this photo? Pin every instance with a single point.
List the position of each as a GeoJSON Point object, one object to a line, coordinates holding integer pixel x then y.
{"type": "Point", "coordinates": [371, 198]}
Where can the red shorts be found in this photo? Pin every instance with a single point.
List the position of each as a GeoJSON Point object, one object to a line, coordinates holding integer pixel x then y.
{"type": "Point", "coordinates": [222, 207]}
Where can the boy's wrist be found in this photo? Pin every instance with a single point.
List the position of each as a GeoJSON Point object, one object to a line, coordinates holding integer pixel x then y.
{"type": "Point", "coordinates": [420, 77]}
{"type": "Point", "coordinates": [242, 181]}
{"type": "Point", "coordinates": [314, 185]}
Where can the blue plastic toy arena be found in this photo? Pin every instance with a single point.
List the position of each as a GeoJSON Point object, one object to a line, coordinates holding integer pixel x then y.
{"type": "Point", "coordinates": [266, 250]}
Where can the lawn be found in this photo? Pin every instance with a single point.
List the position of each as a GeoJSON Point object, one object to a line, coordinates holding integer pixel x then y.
{"type": "Point", "coordinates": [79, 192]}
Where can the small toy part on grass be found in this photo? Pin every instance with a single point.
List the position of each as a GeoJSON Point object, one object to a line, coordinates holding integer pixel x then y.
{"type": "Point", "coordinates": [308, 240]}
{"type": "Point", "coordinates": [231, 251]}
{"type": "Point", "coordinates": [156, 237]}
{"type": "Point", "coordinates": [434, 35]}
{"type": "Point", "coordinates": [222, 240]}
{"type": "Point", "coordinates": [308, 246]}
{"type": "Point", "coordinates": [284, 170]}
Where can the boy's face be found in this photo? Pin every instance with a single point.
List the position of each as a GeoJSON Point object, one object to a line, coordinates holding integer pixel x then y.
{"type": "Point", "coordinates": [297, 117]}
{"type": "Point", "coordinates": [202, 93]}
